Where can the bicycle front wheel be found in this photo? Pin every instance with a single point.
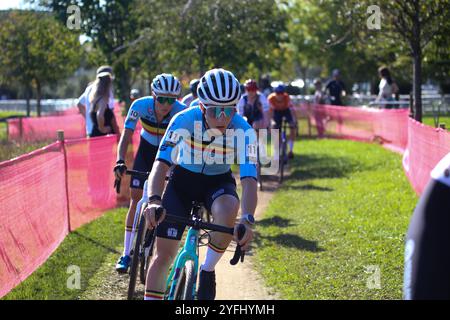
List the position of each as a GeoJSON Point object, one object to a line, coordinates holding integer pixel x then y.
{"type": "Point", "coordinates": [186, 284]}
{"type": "Point", "coordinates": [136, 257]}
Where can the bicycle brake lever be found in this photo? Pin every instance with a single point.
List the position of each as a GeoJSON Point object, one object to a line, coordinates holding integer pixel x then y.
{"type": "Point", "coordinates": [117, 185]}
{"type": "Point", "coordinates": [239, 253]}
{"type": "Point", "coordinates": [159, 213]}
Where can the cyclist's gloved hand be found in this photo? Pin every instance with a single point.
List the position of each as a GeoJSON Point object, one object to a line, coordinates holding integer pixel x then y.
{"type": "Point", "coordinates": [119, 169]}
{"type": "Point", "coordinates": [246, 239]}
{"type": "Point", "coordinates": [150, 215]}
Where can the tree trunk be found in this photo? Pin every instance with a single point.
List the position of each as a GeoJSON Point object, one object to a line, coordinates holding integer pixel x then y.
{"type": "Point", "coordinates": [417, 86]}
{"type": "Point", "coordinates": [28, 94]}
{"type": "Point", "coordinates": [38, 98]}
{"type": "Point", "coordinates": [417, 61]}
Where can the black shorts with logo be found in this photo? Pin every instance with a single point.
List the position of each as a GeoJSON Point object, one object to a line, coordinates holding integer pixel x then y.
{"type": "Point", "coordinates": [145, 157]}
{"type": "Point", "coordinates": [184, 187]}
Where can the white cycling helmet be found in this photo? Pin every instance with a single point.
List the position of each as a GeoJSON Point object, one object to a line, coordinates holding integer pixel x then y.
{"type": "Point", "coordinates": [166, 85]}
{"type": "Point", "coordinates": [219, 87]}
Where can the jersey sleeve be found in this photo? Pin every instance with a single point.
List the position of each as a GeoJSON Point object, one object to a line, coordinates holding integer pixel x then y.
{"type": "Point", "coordinates": [175, 132]}
{"type": "Point", "coordinates": [132, 116]}
{"type": "Point", "coordinates": [247, 154]}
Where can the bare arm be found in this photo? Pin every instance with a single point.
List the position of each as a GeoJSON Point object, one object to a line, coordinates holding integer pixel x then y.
{"type": "Point", "coordinates": [125, 139]}
{"type": "Point", "coordinates": [249, 196]}
{"type": "Point", "coordinates": [82, 109]}
{"type": "Point", "coordinates": [156, 182]}
{"type": "Point", "coordinates": [157, 178]}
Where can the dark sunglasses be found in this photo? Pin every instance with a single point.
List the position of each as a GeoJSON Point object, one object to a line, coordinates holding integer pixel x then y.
{"type": "Point", "coordinates": [215, 112]}
{"type": "Point", "coordinates": [163, 100]}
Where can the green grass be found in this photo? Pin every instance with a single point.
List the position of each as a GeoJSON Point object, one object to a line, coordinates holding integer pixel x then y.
{"type": "Point", "coordinates": [9, 150]}
{"type": "Point", "coordinates": [86, 248]}
{"type": "Point", "coordinates": [429, 120]}
{"type": "Point", "coordinates": [345, 207]}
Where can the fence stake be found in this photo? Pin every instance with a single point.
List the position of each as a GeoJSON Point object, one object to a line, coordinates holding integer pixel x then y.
{"type": "Point", "coordinates": [20, 129]}
{"type": "Point", "coordinates": [60, 136]}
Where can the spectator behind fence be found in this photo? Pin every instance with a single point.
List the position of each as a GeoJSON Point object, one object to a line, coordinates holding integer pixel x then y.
{"type": "Point", "coordinates": [335, 89]}
{"type": "Point", "coordinates": [101, 116]}
{"type": "Point", "coordinates": [83, 101]}
{"type": "Point", "coordinates": [319, 98]}
{"type": "Point", "coordinates": [387, 88]}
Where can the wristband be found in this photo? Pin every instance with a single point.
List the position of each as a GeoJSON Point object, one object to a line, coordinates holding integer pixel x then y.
{"type": "Point", "coordinates": [154, 197]}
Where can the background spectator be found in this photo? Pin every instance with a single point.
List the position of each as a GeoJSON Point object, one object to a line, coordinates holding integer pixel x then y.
{"type": "Point", "coordinates": [336, 89]}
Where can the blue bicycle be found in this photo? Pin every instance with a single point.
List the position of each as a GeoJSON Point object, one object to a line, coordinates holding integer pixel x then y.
{"type": "Point", "coordinates": [181, 283]}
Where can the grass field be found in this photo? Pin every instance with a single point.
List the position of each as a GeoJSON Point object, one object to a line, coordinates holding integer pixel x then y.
{"type": "Point", "coordinates": [9, 150]}
{"type": "Point", "coordinates": [429, 120]}
{"type": "Point", "coordinates": [346, 207]}
{"type": "Point", "coordinates": [86, 248]}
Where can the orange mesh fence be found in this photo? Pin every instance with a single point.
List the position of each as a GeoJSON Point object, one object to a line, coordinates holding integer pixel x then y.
{"type": "Point", "coordinates": [33, 212]}
{"type": "Point", "coordinates": [426, 147]}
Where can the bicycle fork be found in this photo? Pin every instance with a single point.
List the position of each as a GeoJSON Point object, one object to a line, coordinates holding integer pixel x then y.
{"type": "Point", "coordinates": [189, 252]}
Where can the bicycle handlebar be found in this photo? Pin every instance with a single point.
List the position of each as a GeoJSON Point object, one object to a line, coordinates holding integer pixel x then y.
{"type": "Point", "coordinates": [138, 173]}
{"type": "Point", "coordinates": [195, 223]}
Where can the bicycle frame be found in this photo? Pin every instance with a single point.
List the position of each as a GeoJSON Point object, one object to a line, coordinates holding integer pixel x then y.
{"type": "Point", "coordinates": [189, 252]}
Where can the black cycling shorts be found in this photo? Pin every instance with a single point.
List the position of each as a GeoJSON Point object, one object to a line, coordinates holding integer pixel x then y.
{"type": "Point", "coordinates": [278, 116]}
{"type": "Point", "coordinates": [184, 187]}
{"type": "Point", "coordinates": [145, 157]}
{"type": "Point", "coordinates": [427, 253]}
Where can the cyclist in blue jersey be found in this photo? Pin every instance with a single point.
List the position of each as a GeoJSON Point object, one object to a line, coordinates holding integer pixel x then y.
{"type": "Point", "coordinates": [154, 113]}
{"type": "Point", "coordinates": [202, 141]}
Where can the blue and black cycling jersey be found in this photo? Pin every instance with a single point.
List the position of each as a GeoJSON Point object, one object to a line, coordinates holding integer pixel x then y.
{"type": "Point", "coordinates": [190, 143]}
{"type": "Point", "coordinates": [143, 109]}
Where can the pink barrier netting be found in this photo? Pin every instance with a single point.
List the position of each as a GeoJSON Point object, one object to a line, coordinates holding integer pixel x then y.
{"type": "Point", "coordinates": [387, 126]}
{"type": "Point", "coordinates": [90, 176]}
{"type": "Point", "coordinates": [422, 146]}
{"type": "Point", "coordinates": [33, 212]}
{"type": "Point", "coordinates": [426, 147]}
{"type": "Point", "coordinates": [44, 128]}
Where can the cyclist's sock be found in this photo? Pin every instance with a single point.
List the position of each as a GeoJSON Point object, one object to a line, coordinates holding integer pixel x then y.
{"type": "Point", "coordinates": [153, 295]}
{"type": "Point", "coordinates": [128, 239]}
{"type": "Point", "coordinates": [291, 145]}
{"type": "Point", "coordinates": [213, 255]}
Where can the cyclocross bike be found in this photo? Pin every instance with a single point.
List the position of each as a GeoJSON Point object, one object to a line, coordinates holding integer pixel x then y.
{"type": "Point", "coordinates": [181, 283]}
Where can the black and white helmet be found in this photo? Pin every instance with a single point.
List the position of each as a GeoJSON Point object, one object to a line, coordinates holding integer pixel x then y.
{"type": "Point", "coordinates": [166, 84]}
{"type": "Point", "coordinates": [219, 87]}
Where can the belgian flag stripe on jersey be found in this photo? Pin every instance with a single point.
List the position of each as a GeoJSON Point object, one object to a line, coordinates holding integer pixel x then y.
{"type": "Point", "coordinates": [152, 127]}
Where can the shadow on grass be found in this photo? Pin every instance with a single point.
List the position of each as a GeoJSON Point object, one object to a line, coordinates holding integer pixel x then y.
{"type": "Point", "coordinates": [276, 221]}
{"type": "Point", "coordinates": [95, 242]}
{"type": "Point", "coordinates": [311, 187]}
{"type": "Point", "coordinates": [289, 241]}
{"type": "Point", "coordinates": [305, 167]}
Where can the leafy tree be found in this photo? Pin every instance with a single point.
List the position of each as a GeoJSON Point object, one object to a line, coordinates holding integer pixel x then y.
{"type": "Point", "coordinates": [36, 50]}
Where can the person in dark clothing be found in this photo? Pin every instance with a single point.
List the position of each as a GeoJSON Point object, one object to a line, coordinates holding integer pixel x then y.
{"type": "Point", "coordinates": [101, 116]}
{"type": "Point", "coordinates": [335, 89]}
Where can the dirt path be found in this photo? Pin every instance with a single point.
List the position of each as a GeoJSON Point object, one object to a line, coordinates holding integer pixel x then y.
{"type": "Point", "coordinates": [239, 282]}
